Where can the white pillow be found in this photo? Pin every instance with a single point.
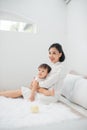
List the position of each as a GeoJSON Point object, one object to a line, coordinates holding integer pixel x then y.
{"type": "Point", "coordinates": [79, 93]}
{"type": "Point", "coordinates": [68, 84]}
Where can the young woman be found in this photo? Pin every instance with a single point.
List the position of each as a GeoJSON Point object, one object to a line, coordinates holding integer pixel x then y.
{"type": "Point", "coordinates": [57, 74]}
{"type": "Point", "coordinates": [54, 79]}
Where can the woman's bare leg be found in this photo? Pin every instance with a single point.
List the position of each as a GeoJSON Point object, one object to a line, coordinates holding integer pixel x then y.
{"type": "Point", "coordinates": [11, 93]}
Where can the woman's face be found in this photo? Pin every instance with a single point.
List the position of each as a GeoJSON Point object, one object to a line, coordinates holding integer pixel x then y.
{"type": "Point", "coordinates": [54, 55]}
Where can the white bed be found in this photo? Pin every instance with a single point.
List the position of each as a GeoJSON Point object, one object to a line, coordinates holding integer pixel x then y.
{"type": "Point", "coordinates": [15, 114]}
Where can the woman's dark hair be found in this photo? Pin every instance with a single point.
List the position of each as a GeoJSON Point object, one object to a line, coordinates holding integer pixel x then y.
{"type": "Point", "coordinates": [45, 66]}
{"type": "Point", "coordinates": [59, 48]}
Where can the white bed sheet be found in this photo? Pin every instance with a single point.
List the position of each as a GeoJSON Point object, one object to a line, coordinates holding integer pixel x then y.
{"type": "Point", "coordinates": [16, 113]}
{"type": "Point", "coordinates": [74, 106]}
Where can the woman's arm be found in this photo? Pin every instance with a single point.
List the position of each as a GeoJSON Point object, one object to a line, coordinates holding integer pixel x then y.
{"type": "Point", "coordinates": [46, 92]}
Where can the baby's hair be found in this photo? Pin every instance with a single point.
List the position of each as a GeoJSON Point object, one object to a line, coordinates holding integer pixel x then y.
{"type": "Point", "coordinates": [45, 66]}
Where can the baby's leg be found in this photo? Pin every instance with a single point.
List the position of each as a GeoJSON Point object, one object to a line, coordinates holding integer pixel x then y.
{"type": "Point", "coordinates": [11, 93]}
{"type": "Point", "coordinates": [33, 92]}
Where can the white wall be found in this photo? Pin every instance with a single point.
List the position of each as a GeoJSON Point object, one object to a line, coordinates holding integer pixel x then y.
{"type": "Point", "coordinates": [77, 36]}
{"type": "Point", "coordinates": [21, 53]}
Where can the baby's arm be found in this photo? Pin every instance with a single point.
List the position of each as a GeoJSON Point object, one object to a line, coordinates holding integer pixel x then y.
{"type": "Point", "coordinates": [44, 91]}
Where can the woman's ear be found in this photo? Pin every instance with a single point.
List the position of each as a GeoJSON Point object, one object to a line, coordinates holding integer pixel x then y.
{"type": "Point", "coordinates": [60, 54]}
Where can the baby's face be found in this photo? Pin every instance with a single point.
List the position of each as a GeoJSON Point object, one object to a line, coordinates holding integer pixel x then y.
{"type": "Point", "coordinates": [42, 73]}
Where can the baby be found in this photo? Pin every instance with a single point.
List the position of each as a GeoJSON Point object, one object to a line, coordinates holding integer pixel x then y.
{"type": "Point", "coordinates": [43, 71]}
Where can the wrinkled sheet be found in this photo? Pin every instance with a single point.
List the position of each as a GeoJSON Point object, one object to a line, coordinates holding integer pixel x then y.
{"type": "Point", "coordinates": [17, 113]}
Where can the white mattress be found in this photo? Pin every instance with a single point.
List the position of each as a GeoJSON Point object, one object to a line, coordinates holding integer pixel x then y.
{"type": "Point", "coordinates": [16, 113]}
{"type": "Point", "coordinates": [74, 106]}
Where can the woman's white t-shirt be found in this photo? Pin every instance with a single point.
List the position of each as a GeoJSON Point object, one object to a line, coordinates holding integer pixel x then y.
{"type": "Point", "coordinates": [55, 77]}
